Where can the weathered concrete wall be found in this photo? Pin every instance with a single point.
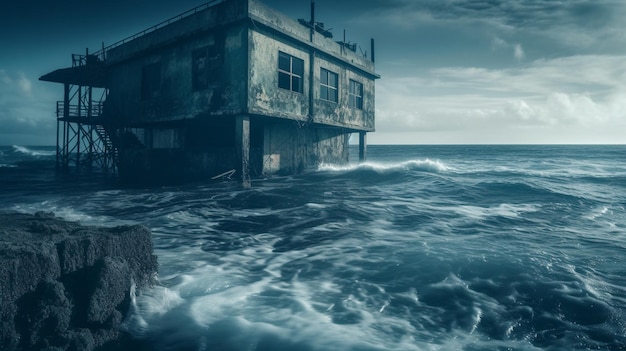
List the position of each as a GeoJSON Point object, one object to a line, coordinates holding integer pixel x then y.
{"type": "Point", "coordinates": [222, 14]}
{"type": "Point", "coordinates": [277, 21]}
{"type": "Point", "coordinates": [291, 148]}
{"type": "Point", "coordinates": [156, 83]}
{"type": "Point", "coordinates": [64, 286]}
{"type": "Point", "coordinates": [273, 32]}
{"type": "Point", "coordinates": [265, 97]}
{"type": "Point", "coordinates": [339, 113]}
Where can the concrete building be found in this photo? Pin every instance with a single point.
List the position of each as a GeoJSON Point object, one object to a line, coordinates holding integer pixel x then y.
{"type": "Point", "coordinates": [231, 85]}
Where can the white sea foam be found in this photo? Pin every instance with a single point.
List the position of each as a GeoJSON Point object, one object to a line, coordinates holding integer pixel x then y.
{"type": "Point", "coordinates": [424, 165]}
{"type": "Point", "coordinates": [147, 310]}
{"type": "Point", "coordinates": [28, 151]}
{"type": "Point", "coordinates": [502, 210]}
{"type": "Point", "coordinates": [341, 266]}
{"type": "Point", "coordinates": [157, 301]}
{"type": "Point", "coordinates": [597, 213]}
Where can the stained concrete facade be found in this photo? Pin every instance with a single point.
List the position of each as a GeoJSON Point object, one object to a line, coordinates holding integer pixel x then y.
{"type": "Point", "coordinates": [204, 95]}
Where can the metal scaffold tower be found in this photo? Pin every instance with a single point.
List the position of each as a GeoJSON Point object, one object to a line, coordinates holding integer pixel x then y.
{"type": "Point", "coordinates": [85, 139]}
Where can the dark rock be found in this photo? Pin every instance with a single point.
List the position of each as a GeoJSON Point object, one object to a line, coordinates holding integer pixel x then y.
{"type": "Point", "coordinates": [64, 286]}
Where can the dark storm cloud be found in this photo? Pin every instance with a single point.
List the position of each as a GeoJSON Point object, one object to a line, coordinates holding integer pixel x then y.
{"type": "Point", "coordinates": [525, 13]}
{"type": "Point", "coordinates": [594, 15]}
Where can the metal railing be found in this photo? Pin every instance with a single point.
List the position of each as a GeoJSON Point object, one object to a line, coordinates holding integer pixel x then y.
{"type": "Point", "coordinates": [159, 25]}
{"type": "Point", "coordinates": [82, 60]}
{"type": "Point", "coordinates": [80, 111]}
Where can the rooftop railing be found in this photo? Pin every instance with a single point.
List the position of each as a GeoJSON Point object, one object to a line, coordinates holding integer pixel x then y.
{"type": "Point", "coordinates": [100, 53]}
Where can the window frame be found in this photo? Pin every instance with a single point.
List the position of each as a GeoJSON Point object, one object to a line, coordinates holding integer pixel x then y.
{"type": "Point", "coordinates": [207, 62]}
{"type": "Point", "coordinates": [326, 86]}
{"type": "Point", "coordinates": [296, 79]}
{"type": "Point", "coordinates": [355, 94]}
{"type": "Point", "coordinates": [200, 68]}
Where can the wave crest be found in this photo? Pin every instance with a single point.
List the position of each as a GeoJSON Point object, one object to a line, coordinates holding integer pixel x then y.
{"type": "Point", "coordinates": [427, 165]}
{"type": "Point", "coordinates": [25, 150]}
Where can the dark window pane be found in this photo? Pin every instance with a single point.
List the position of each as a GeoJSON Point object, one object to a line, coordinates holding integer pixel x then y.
{"type": "Point", "coordinates": [284, 80]}
{"type": "Point", "coordinates": [332, 80]}
{"type": "Point", "coordinates": [351, 101]}
{"type": "Point", "coordinates": [297, 66]}
{"type": "Point", "coordinates": [333, 96]}
{"type": "Point", "coordinates": [296, 84]}
{"type": "Point", "coordinates": [323, 92]}
{"type": "Point", "coordinates": [359, 102]}
{"type": "Point", "coordinates": [323, 76]}
{"type": "Point", "coordinates": [284, 62]}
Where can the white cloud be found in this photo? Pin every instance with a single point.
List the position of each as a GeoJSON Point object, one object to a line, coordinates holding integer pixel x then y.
{"type": "Point", "coordinates": [518, 52]}
{"type": "Point", "coordinates": [498, 43]}
{"type": "Point", "coordinates": [14, 85]}
{"type": "Point", "coordinates": [574, 99]}
{"type": "Point", "coordinates": [24, 84]}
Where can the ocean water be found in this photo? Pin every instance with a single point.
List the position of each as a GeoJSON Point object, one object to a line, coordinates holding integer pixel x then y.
{"type": "Point", "coordinates": [420, 248]}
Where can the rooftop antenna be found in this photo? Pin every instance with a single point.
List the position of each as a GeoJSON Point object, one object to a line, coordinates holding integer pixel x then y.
{"type": "Point", "coordinates": [312, 19]}
{"type": "Point", "coordinates": [364, 53]}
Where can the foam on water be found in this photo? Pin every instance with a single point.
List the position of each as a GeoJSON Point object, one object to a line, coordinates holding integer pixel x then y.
{"type": "Point", "coordinates": [502, 210]}
{"type": "Point", "coordinates": [412, 165]}
{"type": "Point", "coordinates": [66, 212]}
{"type": "Point", "coordinates": [324, 297]}
{"type": "Point", "coordinates": [33, 152]}
{"type": "Point", "coordinates": [486, 248]}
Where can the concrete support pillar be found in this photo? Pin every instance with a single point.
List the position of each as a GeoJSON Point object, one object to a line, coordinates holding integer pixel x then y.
{"type": "Point", "coordinates": [362, 146]}
{"type": "Point", "coordinates": [242, 141]}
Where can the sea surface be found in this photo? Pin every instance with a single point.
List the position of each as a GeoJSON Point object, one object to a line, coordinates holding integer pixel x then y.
{"type": "Point", "coordinates": [420, 248]}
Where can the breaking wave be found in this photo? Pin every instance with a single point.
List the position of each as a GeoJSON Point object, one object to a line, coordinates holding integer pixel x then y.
{"type": "Point", "coordinates": [33, 152]}
{"type": "Point", "coordinates": [426, 165]}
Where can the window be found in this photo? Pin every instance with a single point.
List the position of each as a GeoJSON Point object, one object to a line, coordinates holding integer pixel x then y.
{"type": "Point", "coordinates": [290, 72]}
{"type": "Point", "coordinates": [151, 81]}
{"type": "Point", "coordinates": [200, 78]}
{"type": "Point", "coordinates": [355, 95]}
{"type": "Point", "coordinates": [328, 85]}
{"type": "Point", "coordinates": [206, 66]}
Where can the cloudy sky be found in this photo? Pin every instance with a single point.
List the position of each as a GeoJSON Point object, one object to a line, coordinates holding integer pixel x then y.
{"type": "Point", "coordinates": [453, 71]}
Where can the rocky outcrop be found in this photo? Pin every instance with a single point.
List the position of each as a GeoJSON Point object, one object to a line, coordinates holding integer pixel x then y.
{"type": "Point", "coordinates": [64, 286]}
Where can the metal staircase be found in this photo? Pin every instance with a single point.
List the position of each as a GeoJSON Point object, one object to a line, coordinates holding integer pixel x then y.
{"type": "Point", "coordinates": [85, 138]}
